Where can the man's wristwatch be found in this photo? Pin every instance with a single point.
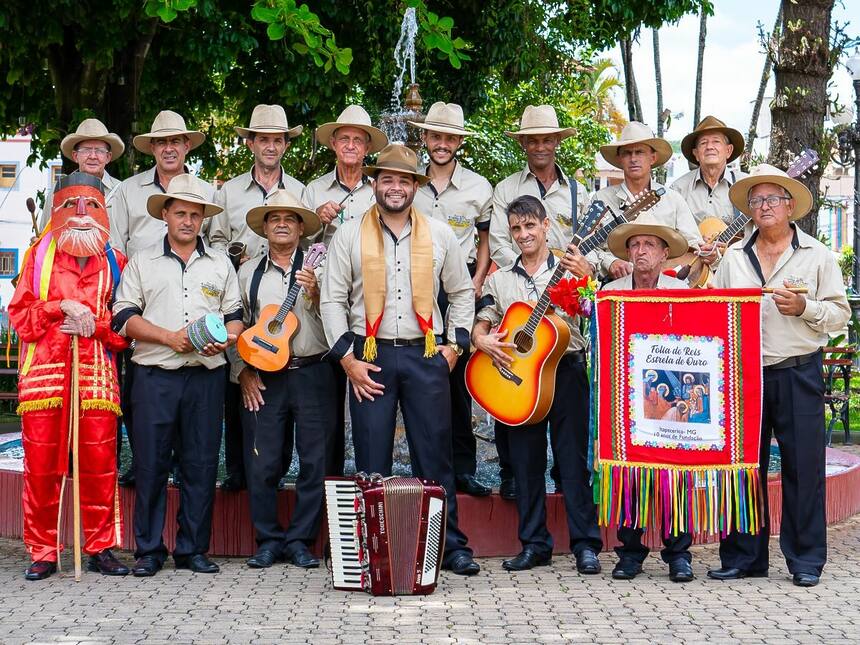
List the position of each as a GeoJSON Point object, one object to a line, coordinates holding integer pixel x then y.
{"type": "Point", "coordinates": [456, 348]}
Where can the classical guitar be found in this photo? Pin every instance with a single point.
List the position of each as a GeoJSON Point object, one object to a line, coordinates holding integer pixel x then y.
{"type": "Point", "coordinates": [524, 393]}
{"type": "Point", "coordinates": [690, 266]}
{"type": "Point", "coordinates": [266, 345]}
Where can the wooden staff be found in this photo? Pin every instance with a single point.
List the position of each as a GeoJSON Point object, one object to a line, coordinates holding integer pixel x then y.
{"type": "Point", "coordinates": [76, 477]}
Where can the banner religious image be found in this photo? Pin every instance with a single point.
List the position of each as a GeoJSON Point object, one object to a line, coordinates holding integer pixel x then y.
{"type": "Point", "coordinates": [678, 387]}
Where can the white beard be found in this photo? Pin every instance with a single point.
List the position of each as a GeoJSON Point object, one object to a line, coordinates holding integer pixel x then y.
{"type": "Point", "coordinates": [83, 243]}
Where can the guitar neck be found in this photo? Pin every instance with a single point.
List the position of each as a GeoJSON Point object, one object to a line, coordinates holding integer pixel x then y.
{"type": "Point", "coordinates": [288, 304]}
{"type": "Point", "coordinates": [734, 227]}
{"type": "Point", "coordinates": [543, 302]}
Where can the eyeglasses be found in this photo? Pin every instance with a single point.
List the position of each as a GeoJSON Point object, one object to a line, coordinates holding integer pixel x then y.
{"type": "Point", "coordinates": [771, 200]}
{"type": "Point", "coordinates": [98, 152]}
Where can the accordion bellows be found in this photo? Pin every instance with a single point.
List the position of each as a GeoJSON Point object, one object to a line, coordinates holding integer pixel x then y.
{"type": "Point", "coordinates": [387, 535]}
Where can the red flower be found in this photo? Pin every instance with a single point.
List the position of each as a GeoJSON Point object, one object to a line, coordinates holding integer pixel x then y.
{"type": "Point", "coordinates": [565, 295]}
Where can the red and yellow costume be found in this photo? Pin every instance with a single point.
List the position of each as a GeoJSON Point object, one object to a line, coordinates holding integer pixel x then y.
{"type": "Point", "coordinates": [50, 275]}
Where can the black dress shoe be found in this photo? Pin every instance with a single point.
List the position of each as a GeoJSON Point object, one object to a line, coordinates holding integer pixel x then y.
{"type": "Point", "coordinates": [733, 573]}
{"type": "Point", "coordinates": [263, 559]}
{"type": "Point", "coordinates": [587, 562]}
{"type": "Point", "coordinates": [106, 564]}
{"type": "Point", "coordinates": [126, 480]}
{"type": "Point", "coordinates": [198, 563]}
{"type": "Point", "coordinates": [508, 489]}
{"type": "Point", "coordinates": [40, 570]}
{"type": "Point", "coordinates": [471, 486]}
{"type": "Point", "coordinates": [805, 579]}
{"type": "Point", "coordinates": [626, 569]}
{"type": "Point", "coordinates": [463, 565]}
{"type": "Point", "coordinates": [528, 558]}
{"type": "Point", "coordinates": [303, 558]}
{"type": "Point", "coordinates": [233, 484]}
{"type": "Point", "coordinates": [146, 566]}
{"type": "Point", "coordinates": [680, 570]}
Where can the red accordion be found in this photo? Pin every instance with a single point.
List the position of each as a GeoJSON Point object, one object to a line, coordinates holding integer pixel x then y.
{"type": "Point", "coordinates": [387, 535]}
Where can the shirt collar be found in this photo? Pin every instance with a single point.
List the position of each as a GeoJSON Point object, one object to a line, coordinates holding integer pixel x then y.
{"type": "Point", "coordinates": [166, 250]}
{"type": "Point", "coordinates": [271, 264]}
{"type": "Point", "coordinates": [520, 270]}
{"type": "Point", "coordinates": [335, 181]}
{"type": "Point", "coordinates": [526, 173]}
{"type": "Point", "coordinates": [154, 180]}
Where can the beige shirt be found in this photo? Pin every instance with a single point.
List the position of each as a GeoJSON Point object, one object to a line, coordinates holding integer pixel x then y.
{"type": "Point", "coordinates": [556, 200]}
{"type": "Point", "coordinates": [663, 282]}
{"type": "Point", "coordinates": [506, 286]}
{"type": "Point", "coordinates": [329, 189]}
{"type": "Point", "coordinates": [157, 285]}
{"type": "Point", "coordinates": [671, 211]}
{"type": "Point", "coordinates": [805, 263]}
{"type": "Point", "coordinates": [274, 288]}
{"type": "Point", "coordinates": [237, 196]}
{"type": "Point", "coordinates": [466, 204]}
{"type": "Point", "coordinates": [132, 228]}
{"type": "Point", "coordinates": [704, 201]}
{"type": "Point", "coordinates": [109, 182]}
{"type": "Point", "coordinates": [342, 301]}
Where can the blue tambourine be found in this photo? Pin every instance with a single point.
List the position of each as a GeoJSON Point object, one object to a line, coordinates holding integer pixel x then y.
{"type": "Point", "coordinates": [207, 329]}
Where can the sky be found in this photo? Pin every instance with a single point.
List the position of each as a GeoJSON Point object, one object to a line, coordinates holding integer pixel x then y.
{"type": "Point", "coordinates": [732, 67]}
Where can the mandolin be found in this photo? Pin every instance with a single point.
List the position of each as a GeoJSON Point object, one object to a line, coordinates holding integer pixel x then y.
{"type": "Point", "coordinates": [690, 266]}
{"type": "Point", "coordinates": [266, 345]}
{"type": "Point", "coordinates": [524, 393]}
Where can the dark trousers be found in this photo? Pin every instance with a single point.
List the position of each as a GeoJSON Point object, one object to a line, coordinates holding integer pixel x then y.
{"type": "Point", "coordinates": [233, 454]}
{"type": "Point", "coordinates": [675, 547]}
{"type": "Point", "coordinates": [568, 428]}
{"type": "Point", "coordinates": [462, 436]}
{"type": "Point", "coordinates": [420, 385]}
{"type": "Point", "coordinates": [794, 413]}
{"type": "Point", "coordinates": [335, 464]}
{"type": "Point", "coordinates": [125, 368]}
{"type": "Point", "coordinates": [306, 396]}
{"type": "Point", "coordinates": [188, 403]}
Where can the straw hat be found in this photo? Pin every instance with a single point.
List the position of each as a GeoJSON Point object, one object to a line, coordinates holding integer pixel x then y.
{"type": "Point", "coordinates": [269, 119]}
{"type": "Point", "coordinates": [186, 188]}
{"type": "Point", "coordinates": [399, 158]}
{"type": "Point", "coordinates": [767, 174]}
{"type": "Point", "coordinates": [712, 124]}
{"type": "Point", "coordinates": [167, 124]}
{"type": "Point", "coordinates": [540, 119]}
{"type": "Point", "coordinates": [90, 129]}
{"type": "Point", "coordinates": [635, 132]}
{"type": "Point", "coordinates": [353, 116]}
{"type": "Point", "coordinates": [446, 118]}
{"type": "Point", "coordinates": [282, 200]}
{"type": "Point", "coordinates": [645, 224]}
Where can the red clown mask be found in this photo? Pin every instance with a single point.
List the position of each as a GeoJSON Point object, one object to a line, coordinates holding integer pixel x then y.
{"type": "Point", "coordinates": [79, 220]}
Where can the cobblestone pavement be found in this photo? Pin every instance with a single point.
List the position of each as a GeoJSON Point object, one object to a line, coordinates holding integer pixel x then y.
{"type": "Point", "coordinates": [548, 605]}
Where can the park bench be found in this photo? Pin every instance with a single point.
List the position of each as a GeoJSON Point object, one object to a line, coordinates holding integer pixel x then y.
{"type": "Point", "coordinates": [838, 364]}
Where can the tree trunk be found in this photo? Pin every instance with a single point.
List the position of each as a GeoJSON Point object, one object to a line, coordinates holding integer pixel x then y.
{"type": "Point", "coordinates": [762, 86]}
{"type": "Point", "coordinates": [634, 106]}
{"type": "Point", "coordinates": [802, 68]}
{"type": "Point", "coordinates": [700, 64]}
{"type": "Point", "coordinates": [660, 172]}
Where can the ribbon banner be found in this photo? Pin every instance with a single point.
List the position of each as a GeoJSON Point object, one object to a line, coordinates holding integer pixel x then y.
{"type": "Point", "coordinates": [678, 385]}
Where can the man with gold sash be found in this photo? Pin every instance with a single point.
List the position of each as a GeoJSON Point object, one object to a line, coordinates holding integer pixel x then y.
{"type": "Point", "coordinates": [61, 312]}
{"type": "Point", "coordinates": [382, 278]}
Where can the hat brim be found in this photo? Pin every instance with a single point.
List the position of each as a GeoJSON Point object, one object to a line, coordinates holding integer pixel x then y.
{"type": "Point", "coordinates": [371, 171]}
{"type": "Point", "coordinates": [257, 215]}
{"type": "Point", "coordinates": [564, 133]}
{"type": "Point", "coordinates": [443, 128]}
{"type": "Point", "coordinates": [155, 204]}
{"type": "Point", "coordinates": [378, 139]}
{"type": "Point", "coordinates": [67, 145]}
{"type": "Point", "coordinates": [660, 146]}
{"type": "Point", "coordinates": [735, 138]}
{"type": "Point", "coordinates": [291, 133]}
{"type": "Point", "coordinates": [617, 240]}
{"type": "Point", "coordinates": [739, 192]}
{"type": "Point", "coordinates": [143, 142]}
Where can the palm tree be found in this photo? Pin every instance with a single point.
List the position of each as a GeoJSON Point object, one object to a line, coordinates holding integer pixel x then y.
{"type": "Point", "coordinates": [703, 34]}
{"type": "Point", "coordinates": [634, 105]}
{"type": "Point", "coordinates": [599, 81]}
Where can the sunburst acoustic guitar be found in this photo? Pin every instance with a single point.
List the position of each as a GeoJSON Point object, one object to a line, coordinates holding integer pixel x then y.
{"type": "Point", "coordinates": [690, 266]}
{"type": "Point", "coordinates": [266, 345]}
{"type": "Point", "coordinates": [524, 393]}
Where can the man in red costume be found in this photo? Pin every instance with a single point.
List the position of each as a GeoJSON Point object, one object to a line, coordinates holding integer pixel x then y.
{"type": "Point", "coordinates": [65, 290]}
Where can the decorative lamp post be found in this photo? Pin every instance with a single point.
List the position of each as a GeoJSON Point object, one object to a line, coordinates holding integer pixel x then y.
{"type": "Point", "coordinates": [849, 146]}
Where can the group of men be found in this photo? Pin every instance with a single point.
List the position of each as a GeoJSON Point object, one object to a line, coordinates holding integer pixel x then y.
{"type": "Point", "coordinates": [406, 292]}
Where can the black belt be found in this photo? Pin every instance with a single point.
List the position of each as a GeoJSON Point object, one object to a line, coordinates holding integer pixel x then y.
{"type": "Point", "coordinates": [302, 361]}
{"type": "Point", "coordinates": [576, 356]}
{"type": "Point", "coordinates": [405, 342]}
{"type": "Point", "coordinates": [793, 361]}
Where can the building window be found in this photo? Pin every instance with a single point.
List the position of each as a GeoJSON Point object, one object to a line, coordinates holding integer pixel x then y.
{"type": "Point", "coordinates": [8, 263]}
{"type": "Point", "coordinates": [56, 173]}
{"type": "Point", "coordinates": [8, 174]}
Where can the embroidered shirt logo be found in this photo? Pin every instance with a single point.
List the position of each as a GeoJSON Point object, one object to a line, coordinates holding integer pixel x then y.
{"type": "Point", "coordinates": [210, 289]}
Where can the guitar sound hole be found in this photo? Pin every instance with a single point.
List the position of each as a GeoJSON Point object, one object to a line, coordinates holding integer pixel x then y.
{"type": "Point", "coordinates": [523, 342]}
{"type": "Point", "coordinates": [274, 327]}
